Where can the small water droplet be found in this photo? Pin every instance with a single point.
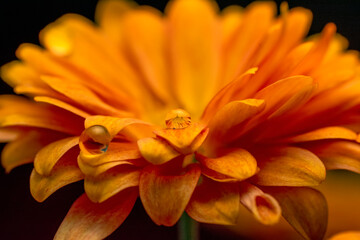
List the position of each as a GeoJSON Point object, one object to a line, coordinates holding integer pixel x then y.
{"type": "Point", "coordinates": [95, 139]}
{"type": "Point", "coordinates": [177, 119]}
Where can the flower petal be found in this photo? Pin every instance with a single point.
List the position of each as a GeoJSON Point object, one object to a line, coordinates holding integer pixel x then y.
{"type": "Point", "coordinates": [338, 155]}
{"type": "Point", "coordinates": [66, 171]}
{"type": "Point", "coordinates": [194, 48]}
{"type": "Point", "coordinates": [237, 163]}
{"type": "Point", "coordinates": [109, 183]}
{"type": "Point", "coordinates": [222, 125]}
{"type": "Point", "coordinates": [165, 197]}
{"type": "Point", "coordinates": [184, 140]}
{"type": "Point", "coordinates": [213, 202]}
{"type": "Point", "coordinates": [48, 156]}
{"type": "Point", "coordinates": [263, 206]}
{"type": "Point", "coordinates": [24, 148]}
{"type": "Point", "coordinates": [62, 105]}
{"type": "Point", "coordinates": [354, 235]}
{"type": "Point", "coordinates": [325, 133]}
{"type": "Point", "coordinates": [93, 221]}
{"type": "Point", "coordinates": [304, 208]}
{"type": "Point", "coordinates": [113, 124]}
{"type": "Point", "coordinates": [289, 166]}
{"type": "Point", "coordinates": [156, 151]}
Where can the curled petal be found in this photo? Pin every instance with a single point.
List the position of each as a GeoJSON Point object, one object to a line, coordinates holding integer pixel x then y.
{"type": "Point", "coordinates": [304, 208]}
{"type": "Point", "coordinates": [184, 140]}
{"type": "Point", "coordinates": [116, 151]}
{"type": "Point", "coordinates": [93, 221]}
{"type": "Point", "coordinates": [63, 173]}
{"type": "Point", "coordinates": [238, 164]}
{"type": "Point", "coordinates": [23, 149]}
{"type": "Point", "coordinates": [263, 206]}
{"type": "Point", "coordinates": [165, 196]}
{"type": "Point", "coordinates": [232, 115]}
{"type": "Point", "coordinates": [338, 155]}
{"type": "Point", "coordinates": [109, 183]}
{"type": "Point", "coordinates": [156, 151]}
{"type": "Point", "coordinates": [325, 133]}
{"type": "Point", "coordinates": [112, 124]}
{"type": "Point", "coordinates": [289, 166]}
{"type": "Point", "coordinates": [48, 156]}
{"type": "Point", "coordinates": [213, 202]}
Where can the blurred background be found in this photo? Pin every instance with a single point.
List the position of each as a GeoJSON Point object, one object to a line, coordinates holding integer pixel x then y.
{"type": "Point", "coordinates": [21, 217]}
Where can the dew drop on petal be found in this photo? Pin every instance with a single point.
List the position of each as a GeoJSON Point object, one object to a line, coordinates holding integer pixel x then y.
{"type": "Point", "coordinates": [95, 139]}
{"type": "Point", "coordinates": [177, 119]}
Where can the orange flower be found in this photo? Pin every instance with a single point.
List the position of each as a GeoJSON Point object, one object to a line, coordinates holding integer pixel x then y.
{"type": "Point", "coordinates": [192, 111]}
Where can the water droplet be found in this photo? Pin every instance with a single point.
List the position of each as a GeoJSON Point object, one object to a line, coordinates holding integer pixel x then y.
{"type": "Point", "coordinates": [177, 119]}
{"type": "Point", "coordinates": [95, 139]}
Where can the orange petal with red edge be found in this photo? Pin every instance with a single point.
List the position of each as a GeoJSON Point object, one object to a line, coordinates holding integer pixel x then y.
{"type": "Point", "coordinates": [230, 116]}
{"type": "Point", "coordinates": [63, 105]}
{"type": "Point", "coordinates": [23, 149]}
{"type": "Point", "coordinates": [48, 156]}
{"type": "Point", "coordinates": [109, 183]}
{"type": "Point", "coordinates": [237, 163]}
{"type": "Point", "coordinates": [289, 166]}
{"type": "Point", "coordinates": [325, 133]}
{"type": "Point", "coordinates": [263, 206]}
{"type": "Point", "coordinates": [93, 221]}
{"type": "Point", "coordinates": [338, 155]}
{"type": "Point", "coordinates": [165, 197]}
{"type": "Point", "coordinates": [156, 151]}
{"type": "Point", "coordinates": [216, 203]}
{"type": "Point", "coordinates": [64, 172]}
{"type": "Point", "coordinates": [304, 208]}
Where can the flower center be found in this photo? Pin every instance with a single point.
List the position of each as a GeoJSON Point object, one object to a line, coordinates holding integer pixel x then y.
{"type": "Point", "coordinates": [177, 119]}
{"type": "Point", "coordinates": [96, 139]}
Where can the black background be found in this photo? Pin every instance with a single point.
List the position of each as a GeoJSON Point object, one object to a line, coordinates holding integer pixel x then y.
{"type": "Point", "coordinates": [21, 217]}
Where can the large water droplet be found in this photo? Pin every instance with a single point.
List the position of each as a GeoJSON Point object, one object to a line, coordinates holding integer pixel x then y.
{"type": "Point", "coordinates": [95, 139]}
{"type": "Point", "coordinates": [177, 119]}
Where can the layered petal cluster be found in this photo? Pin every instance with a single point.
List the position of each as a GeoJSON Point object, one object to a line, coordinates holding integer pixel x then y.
{"type": "Point", "coordinates": [192, 110]}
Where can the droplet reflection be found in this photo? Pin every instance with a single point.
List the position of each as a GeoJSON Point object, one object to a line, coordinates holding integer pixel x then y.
{"type": "Point", "coordinates": [95, 139]}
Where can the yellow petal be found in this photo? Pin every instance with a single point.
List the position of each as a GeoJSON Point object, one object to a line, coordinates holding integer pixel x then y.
{"type": "Point", "coordinates": [48, 156]}
{"type": "Point", "coordinates": [66, 171]}
{"type": "Point", "coordinates": [194, 51]}
{"type": "Point", "coordinates": [325, 133]}
{"type": "Point", "coordinates": [215, 203]}
{"type": "Point", "coordinates": [156, 151]}
{"type": "Point", "coordinates": [289, 166]}
{"type": "Point", "coordinates": [263, 206]}
{"type": "Point", "coordinates": [304, 208]}
{"type": "Point", "coordinates": [111, 182]}
{"type": "Point", "coordinates": [93, 221]}
{"type": "Point", "coordinates": [237, 163]}
{"type": "Point", "coordinates": [165, 197]}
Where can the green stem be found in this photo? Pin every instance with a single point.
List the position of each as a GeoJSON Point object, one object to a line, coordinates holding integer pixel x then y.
{"type": "Point", "coordinates": [188, 229]}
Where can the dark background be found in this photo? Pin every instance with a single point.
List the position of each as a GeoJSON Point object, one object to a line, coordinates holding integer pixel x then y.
{"type": "Point", "coordinates": [21, 217]}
